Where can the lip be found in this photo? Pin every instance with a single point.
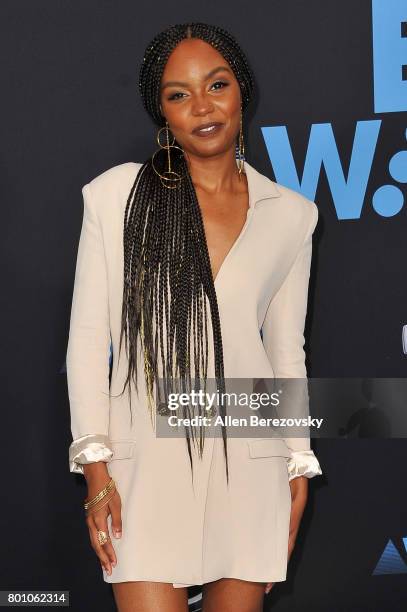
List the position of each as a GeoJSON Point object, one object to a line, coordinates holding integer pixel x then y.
{"type": "Point", "coordinates": [217, 127]}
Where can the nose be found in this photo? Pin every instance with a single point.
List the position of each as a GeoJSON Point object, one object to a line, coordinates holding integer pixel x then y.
{"type": "Point", "coordinates": [202, 104]}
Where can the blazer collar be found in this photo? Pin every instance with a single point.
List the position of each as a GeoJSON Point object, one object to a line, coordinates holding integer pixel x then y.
{"type": "Point", "coordinates": [259, 185]}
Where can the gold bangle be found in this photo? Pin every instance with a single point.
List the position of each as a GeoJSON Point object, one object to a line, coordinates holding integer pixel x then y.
{"type": "Point", "coordinates": [100, 495]}
{"type": "Point", "coordinates": [109, 484]}
{"type": "Point", "coordinates": [104, 504]}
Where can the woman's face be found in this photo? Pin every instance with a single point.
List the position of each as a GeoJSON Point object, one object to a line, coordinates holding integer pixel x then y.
{"type": "Point", "coordinates": [198, 86]}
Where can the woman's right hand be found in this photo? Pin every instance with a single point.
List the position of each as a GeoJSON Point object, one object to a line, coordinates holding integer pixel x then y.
{"type": "Point", "coordinates": [97, 477]}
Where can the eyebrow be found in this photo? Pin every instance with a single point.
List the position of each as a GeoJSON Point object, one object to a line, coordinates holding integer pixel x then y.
{"type": "Point", "coordinates": [208, 76]}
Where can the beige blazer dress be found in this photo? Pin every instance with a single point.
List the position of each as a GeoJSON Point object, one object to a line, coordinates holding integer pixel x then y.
{"type": "Point", "coordinates": [175, 530]}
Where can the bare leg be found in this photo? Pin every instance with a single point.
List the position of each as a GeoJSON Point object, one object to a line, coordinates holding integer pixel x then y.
{"type": "Point", "coordinates": [232, 595]}
{"type": "Point", "coordinates": [144, 596]}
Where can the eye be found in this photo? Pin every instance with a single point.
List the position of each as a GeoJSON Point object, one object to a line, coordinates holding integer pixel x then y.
{"type": "Point", "coordinates": [173, 96]}
{"type": "Point", "coordinates": [178, 93]}
{"type": "Point", "coordinates": [220, 83]}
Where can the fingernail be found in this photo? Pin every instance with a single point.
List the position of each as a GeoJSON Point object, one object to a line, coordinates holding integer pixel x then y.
{"type": "Point", "coordinates": [118, 534]}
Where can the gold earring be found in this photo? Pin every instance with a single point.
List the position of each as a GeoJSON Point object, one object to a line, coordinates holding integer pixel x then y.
{"type": "Point", "coordinates": [240, 149]}
{"type": "Point", "coordinates": [169, 176]}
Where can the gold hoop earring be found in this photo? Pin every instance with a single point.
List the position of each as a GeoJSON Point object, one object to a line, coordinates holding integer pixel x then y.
{"type": "Point", "coordinates": [169, 176]}
{"type": "Point", "coordinates": [240, 150]}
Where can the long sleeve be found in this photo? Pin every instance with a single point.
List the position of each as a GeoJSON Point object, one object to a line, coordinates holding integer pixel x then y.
{"type": "Point", "coordinates": [283, 339]}
{"type": "Point", "coordinates": [87, 357]}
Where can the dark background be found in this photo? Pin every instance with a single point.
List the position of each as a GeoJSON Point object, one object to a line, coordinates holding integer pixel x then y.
{"type": "Point", "coordinates": [70, 109]}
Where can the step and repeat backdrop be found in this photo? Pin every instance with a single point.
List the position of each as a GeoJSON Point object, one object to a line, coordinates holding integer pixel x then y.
{"type": "Point", "coordinates": [330, 121]}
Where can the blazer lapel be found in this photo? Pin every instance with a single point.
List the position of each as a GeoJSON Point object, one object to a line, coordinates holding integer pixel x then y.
{"type": "Point", "coordinates": [259, 185]}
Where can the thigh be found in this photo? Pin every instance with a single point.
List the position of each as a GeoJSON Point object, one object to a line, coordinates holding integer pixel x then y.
{"type": "Point", "coordinates": [143, 596]}
{"type": "Point", "coordinates": [232, 595]}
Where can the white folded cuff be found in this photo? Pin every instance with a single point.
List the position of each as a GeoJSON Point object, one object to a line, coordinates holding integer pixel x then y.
{"type": "Point", "coordinates": [88, 449]}
{"type": "Point", "coordinates": [303, 463]}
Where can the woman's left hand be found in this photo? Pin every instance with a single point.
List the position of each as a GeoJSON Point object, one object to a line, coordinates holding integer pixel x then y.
{"type": "Point", "coordinates": [299, 496]}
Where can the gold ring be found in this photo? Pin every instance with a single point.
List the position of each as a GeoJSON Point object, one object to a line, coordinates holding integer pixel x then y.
{"type": "Point", "coordinates": [102, 537]}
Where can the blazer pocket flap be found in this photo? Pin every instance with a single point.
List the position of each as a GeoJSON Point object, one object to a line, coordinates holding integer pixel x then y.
{"type": "Point", "coordinates": [122, 449]}
{"type": "Point", "coordinates": [268, 447]}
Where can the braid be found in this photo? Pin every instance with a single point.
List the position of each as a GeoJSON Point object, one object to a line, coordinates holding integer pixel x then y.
{"type": "Point", "coordinates": [167, 270]}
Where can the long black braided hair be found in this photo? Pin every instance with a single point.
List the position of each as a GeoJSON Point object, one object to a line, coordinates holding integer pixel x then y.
{"type": "Point", "coordinates": [167, 270]}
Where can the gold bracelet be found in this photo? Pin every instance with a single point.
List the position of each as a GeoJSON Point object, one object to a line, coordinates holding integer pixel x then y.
{"type": "Point", "coordinates": [104, 504]}
{"type": "Point", "coordinates": [100, 495]}
{"type": "Point", "coordinates": [109, 484]}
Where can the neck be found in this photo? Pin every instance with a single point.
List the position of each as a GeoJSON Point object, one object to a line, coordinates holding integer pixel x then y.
{"type": "Point", "coordinates": [216, 174]}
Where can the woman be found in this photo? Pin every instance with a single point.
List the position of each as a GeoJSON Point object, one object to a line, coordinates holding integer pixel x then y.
{"type": "Point", "coordinates": [191, 253]}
